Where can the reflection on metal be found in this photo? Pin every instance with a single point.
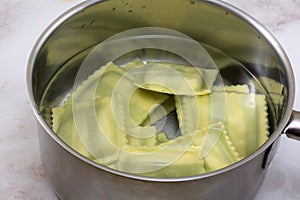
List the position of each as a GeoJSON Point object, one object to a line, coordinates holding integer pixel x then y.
{"type": "Point", "coordinates": [293, 128]}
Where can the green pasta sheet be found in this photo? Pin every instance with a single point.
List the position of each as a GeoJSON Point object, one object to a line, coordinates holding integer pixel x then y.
{"type": "Point", "coordinates": [160, 110]}
{"type": "Point", "coordinates": [63, 126]}
{"type": "Point", "coordinates": [175, 158]}
{"type": "Point", "coordinates": [95, 134]}
{"type": "Point", "coordinates": [162, 138]}
{"type": "Point", "coordinates": [188, 114]}
{"type": "Point", "coordinates": [247, 121]}
{"type": "Point", "coordinates": [183, 156]}
{"type": "Point", "coordinates": [243, 115]}
{"type": "Point", "coordinates": [96, 141]}
{"type": "Point", "coordinates": [188, 110]}
{"type": "Point", "coordinates": [218, 151]}
{"type": "Point", "coordinates": [93, 99]}
{"type": "Point", "coordinates": [157, 162]}
{"type": "Point", "coordinates": [173, 78]}
{"type": "Point", "coordinates": [133, 64]}
{"type": "Point", "coordinates": [232, 88]}
{"type": "Point", "coordinates": [140, 141]}
{"type": "Point", "coordinates": [140, 102]}
{"type": "Point", "coordinates": [110, 78]}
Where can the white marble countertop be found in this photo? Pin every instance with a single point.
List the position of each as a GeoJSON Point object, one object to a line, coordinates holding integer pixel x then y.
{"type": "Point", "coordinates": [21, 22]}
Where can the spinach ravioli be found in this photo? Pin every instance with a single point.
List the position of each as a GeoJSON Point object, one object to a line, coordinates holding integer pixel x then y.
{"type": "Point", "coordinates": [111, 119]}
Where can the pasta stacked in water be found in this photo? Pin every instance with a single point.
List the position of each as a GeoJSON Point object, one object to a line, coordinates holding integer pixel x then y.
{"type": "Point", "coordinates": [110, 119]}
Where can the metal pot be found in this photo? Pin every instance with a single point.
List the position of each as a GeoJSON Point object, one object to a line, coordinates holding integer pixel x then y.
{"type": "Point", "coordinates": [216, 23]}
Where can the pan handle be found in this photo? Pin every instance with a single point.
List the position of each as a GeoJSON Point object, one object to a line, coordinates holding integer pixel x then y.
{"type": "Point", "coordinates": [292, 130]}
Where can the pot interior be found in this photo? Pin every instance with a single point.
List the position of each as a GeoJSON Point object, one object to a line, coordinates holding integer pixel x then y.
{"type": "Point", "coordinates": [248, 54]}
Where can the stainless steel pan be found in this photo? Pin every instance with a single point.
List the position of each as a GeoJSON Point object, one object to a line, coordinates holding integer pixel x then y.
{"type": "Point", "coordinates": [68, 40]}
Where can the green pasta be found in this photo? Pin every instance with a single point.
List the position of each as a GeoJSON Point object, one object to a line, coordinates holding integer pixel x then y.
{"type": "Point", "coordinates": [244, 116]}
{"type": "Point", "coordinates": [110, 118]}
{"type": "Point", "coordinates": [173, 79]}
